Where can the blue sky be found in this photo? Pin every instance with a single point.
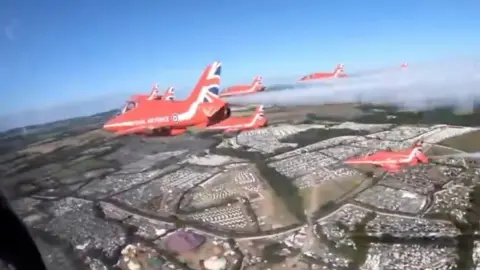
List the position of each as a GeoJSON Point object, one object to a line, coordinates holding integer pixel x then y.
{"type": "Point", "coordinates": [55, 52]}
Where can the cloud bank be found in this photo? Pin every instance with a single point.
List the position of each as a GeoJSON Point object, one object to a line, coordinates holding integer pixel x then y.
{"type": "Point", "coordinates": [420, 86]}
{"type": "Point", "coordinates": [61, 112]}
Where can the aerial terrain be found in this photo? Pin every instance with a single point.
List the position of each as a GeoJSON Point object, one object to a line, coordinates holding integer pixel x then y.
{"type": "Point", "coordinates": [279, 197]}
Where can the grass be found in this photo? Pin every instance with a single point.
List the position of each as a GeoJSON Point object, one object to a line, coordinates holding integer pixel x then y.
{"type": "Point", "coordinates": [275, 209]}
{"type": "Point", "coordinates": [244, 113]}
{"type": "Point", "coordinates": [315, 197]}
{"type": "Point", "coordinates": [469, 142]}
{"type": "Point", "coordinates": [440, 151]}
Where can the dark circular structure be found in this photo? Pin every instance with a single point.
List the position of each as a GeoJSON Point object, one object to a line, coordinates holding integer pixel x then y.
{"type": "Point", "coordinates": [183, 241]}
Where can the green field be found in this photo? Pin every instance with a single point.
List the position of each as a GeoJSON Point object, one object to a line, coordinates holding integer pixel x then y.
{"type": "Point", "coordinates": [469, 142]}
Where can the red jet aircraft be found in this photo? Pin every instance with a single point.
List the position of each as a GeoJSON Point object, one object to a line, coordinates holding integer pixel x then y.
{"type": "Point", "coordinates": [158, 117]}
{"type": "Point", "coordinates": [393, 161]}
{"type": "Point", "coordinates": [337, 73]}
{"type": "Point", "coordinates": [135, 100]}
{"type": "Point", "coordinates": [154, 95]}
{"type": "Point", "coordinates": [240, 90]}
{"type": "Point", "coordinates": [242, 123]}
{"type": "Point", "coordinates": [404, 65]}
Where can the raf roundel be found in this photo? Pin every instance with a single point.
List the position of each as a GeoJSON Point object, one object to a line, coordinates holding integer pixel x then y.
{"type": "Point", "coordinates": [175, 117]}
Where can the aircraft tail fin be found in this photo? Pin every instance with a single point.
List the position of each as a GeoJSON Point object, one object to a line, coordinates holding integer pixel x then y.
{"type": "Point", "coordinates": [154, 92]}
{"type": "Point", "coordinates": [421, 157]}
{"type": "Point", "coordinates": [257, 83]}
{"type": "Point", "coordinates": [338, 70]}
{"type": "Point", "coordinates": [418, 143]}
{"type": "Point", "coordinates": [169, 94]}
{"type": "Point", "coordinates": [205, 93]}
{"type": "Point", "coordinates": [417, 151]}
{"type": "Point", "coordinates": [207, 87]}
{"type": "Point", "coordinates": [259, 111]}
{"type": "Point", "coordinates": [257, 80]}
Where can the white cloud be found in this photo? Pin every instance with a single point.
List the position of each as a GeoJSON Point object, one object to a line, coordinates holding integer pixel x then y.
{"type": "Point", "coordinates": [417, 87]}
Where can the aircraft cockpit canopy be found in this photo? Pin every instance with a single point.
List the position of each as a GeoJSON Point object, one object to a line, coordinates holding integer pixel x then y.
{"type": "Point", "coordinates": [129, 105]}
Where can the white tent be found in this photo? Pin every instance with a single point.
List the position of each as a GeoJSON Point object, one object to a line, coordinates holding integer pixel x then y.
{"type": "Point", "coordinates": [215, 263]}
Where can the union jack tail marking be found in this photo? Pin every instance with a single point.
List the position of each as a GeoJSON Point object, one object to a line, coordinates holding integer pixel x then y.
{"type": "Point", "coordinates": [170, 94]}
{"type": "Point", "coordinates": [260, 111]}
{"type": "Point", "coordinates": [208, 84]}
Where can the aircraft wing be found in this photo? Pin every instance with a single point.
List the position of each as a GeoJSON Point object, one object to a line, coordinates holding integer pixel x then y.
{"type": "Point", "coordinates": [132, 130]}
{"type": "Point", "coordinates": [391, 167]}
{"type": "Point", "coordinates": [231, 130]}
{"type": "Point", "coordinates": [142, 128]}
